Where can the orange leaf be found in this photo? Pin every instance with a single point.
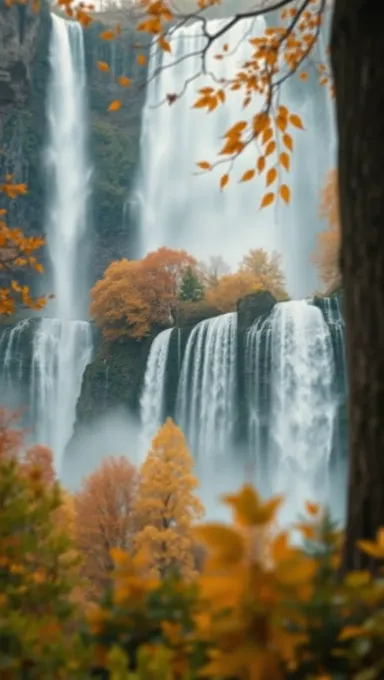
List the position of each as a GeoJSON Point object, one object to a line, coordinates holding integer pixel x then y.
{"type": "Point", "coordinates": [296, 121]}
{"type": "Point", "coordinates": [285, 193]}
{"type": "Point", "coordinates": [115, 105]}
{"type": "Point", "coordinates": [204, 165]}
{"type": "Point", "coordinates": [303, 76]}
{"type": "Point", "coordinates": [285, 160]}
{"type": "Point", "coordinates": [312, 508]}
{"type": "Point", "coordinates": [281, 123]}
{"type": "Point", "coordinates": [249, 174]}
{"type": "Point", "coordinates": [164, 44]}
{"type": "Point", "coordinates": [141, 60]}
{"type": "Point", "coordinates": [267, 200]}
{"type": "Point", "coordinates": [224, 181]}
{"type": "Point", "coordinates": [261, 164]}
{"type": "Point", "coordinates": [267, 135]}
{"type": "Point", "coordinates": [270, 148]}
{"type": "Point", "coordinates": [107, 35]}
{"type": "Point", "coordinates": [124, 81]}
{"type": "Point", "coordinates": [288, 141]}
{"type": "Point", "coordinates": [271, 176]}
{"type": "Point", "coordinates": [102, 66]}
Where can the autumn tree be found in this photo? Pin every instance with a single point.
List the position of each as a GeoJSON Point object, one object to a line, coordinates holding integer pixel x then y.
{"type": "Point", "coordinates": [230, 288]}
{"type": "Point", "coordinates": [166, 506]}
{"type": "Point", "coordinates": [267, 269]}
{"type": "Point", "coordinates": [17, 254]}
{"type": "Point", "coordinates": [212, 271]}
{"type": "Point", "coordinates": [135, 294]}
{"type": "Point", "coordinates": [103, 516]}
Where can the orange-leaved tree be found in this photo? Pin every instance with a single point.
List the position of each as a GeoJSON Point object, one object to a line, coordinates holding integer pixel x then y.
{"type": "Point", "coordinates": [230, 288]}
{"type": "Point", "coordinates": [327, 255]}
{"type": "Point", "coordinates": [103, 516]}
{"type": "Point", "coordinates": [267, 268]}
{"type": "Point", "coordinates": [166, 506]}
{"type": "Point", "coordinates": [17, 252]}
{"type": "Point", "coordinates": [135, 294]}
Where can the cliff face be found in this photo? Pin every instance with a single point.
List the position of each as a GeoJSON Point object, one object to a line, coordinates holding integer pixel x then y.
{"type": "Point", "coordinates": [19, 28]}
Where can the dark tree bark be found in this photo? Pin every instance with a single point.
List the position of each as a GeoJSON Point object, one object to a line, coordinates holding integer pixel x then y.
{"type": "Point", "coordinates": [357, 52]}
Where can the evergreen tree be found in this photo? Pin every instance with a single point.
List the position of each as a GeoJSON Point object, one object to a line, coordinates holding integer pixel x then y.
{"type": "Point", "coordinates": [191, 289]}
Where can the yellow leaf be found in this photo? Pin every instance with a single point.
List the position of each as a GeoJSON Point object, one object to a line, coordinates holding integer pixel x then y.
{"type": "Point", "coordinates": [358, 579]}
{"type": "Point", "coordinates": [285, 160]}
{"type": "Point", "coordinates": [281, 122]}
{"type": "Point", "coordinates": [107, 35]}
{"type": "Point", "coordinates": [270, 148]}
{"type": "Point", "coordinates": [115, 105]}
{"type": "Point", "coordinates": [312, 509]}
{"type": "Point", "coordinates": [307, 530]}
{"type": "Point", "coordinates": [351, 632]}
{"type": "Point", "coordinates": [267, 200]}
{"type": "Point", "coordinates": [249, 508]}
{"type": "Point", "coordinates": [267, 135]}
{"type": "Point", "coordinates": [371, 548]}
{"type": "Point", "coordinates": [283, 111]}
{"type": "Point", "coordinates": [204, 165]}
{"type": "Point", "coordinates": [221, 539]}
{"type": "Point", "coordinates": [271, 176]}
{"type": "Point", "coordinates": [285, 193]}
{"type": "Point", "coordinates": [261, 164]}
{"type": "Point", "coordinates": [124, 81]}
{"type": "Point", "coordinates": [102, 66]}
{"type": "Point", "coordinates": [296, 121]}
{"type": "Point", "coordinates": [288, 141]}
{"type": "Point", "coordinates": [224, 181]}
{"type": "Point", "coordinates": [141, 60]}
{"type": "Point", "coordinates": [249, 174]}
{"type": "Point", "coordinates": [164, 44]}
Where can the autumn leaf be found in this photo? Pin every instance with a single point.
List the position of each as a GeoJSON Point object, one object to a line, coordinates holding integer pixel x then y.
{"type": "Point", "coordinates": [124, 81]}
{"type": "Point", "coordinates": [296, 121]}
{"type": "Point", "coordinates": [352, 632]}
{"type": "Point", "coordinates": [261, 164]}
{"type": "Point", "coordinates": [312, 509]}
{"type": "Point", "coordinates": [271, 176]}
{"type": "Point", "coordinates": [288, 141]}
{"type": "Point", "coordinates": [224, 181]}
{"type": "Point", "coordinates": [303, 76]}
{"type": "Point", "coordinates": [103, 66]}
{"type": "Point", "coordinates": [270, 148]}
{"type": "Point", "coordinates": [267, 200]}
{"type": "Point", "coordinates": [115, 105]}
{"type": "Point", "coordinates": [285, 193]}
{"type": "Point", "coordinates": [107, 35]}
{"type": "Point", "coordinates": [141, 59]}
{"type": "Point", "coordinates": [285, 160]}
{"type": "Point", "coordinates": [164, 44]}
{"type": "Point", "coordinates": [204, 165]}
{"type": "Point", "coordinates": [249, 174]}
{"type": "Point", "coordinates": [224, 540]}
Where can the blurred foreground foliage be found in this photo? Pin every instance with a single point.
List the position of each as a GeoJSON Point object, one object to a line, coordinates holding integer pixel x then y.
{"type": "Point", "coordinates": [261, 607]}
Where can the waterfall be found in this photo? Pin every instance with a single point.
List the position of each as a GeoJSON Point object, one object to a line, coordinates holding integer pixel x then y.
{"type": "Point", "coordinates": [303, 405]}
{"type": "Point", "coordinates": [206, 398]}
{"type": "Point", "coordinates": [200, 218]}
{"type": "Point", "coordinates": [61, 351]}
{"type": "Point", "coordinates": [67, 169]}
{"type": "Point", "coordinates": [152, 404]}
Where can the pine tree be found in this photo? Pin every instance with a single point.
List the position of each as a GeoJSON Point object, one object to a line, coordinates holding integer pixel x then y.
{"type": "Point", "coordinates": [166, 506]}
{"type": "Point", "coordinates": [192, 288]}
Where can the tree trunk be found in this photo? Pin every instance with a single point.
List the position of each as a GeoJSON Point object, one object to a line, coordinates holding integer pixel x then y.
{"type": "Point", "coordinates": [357, 52]}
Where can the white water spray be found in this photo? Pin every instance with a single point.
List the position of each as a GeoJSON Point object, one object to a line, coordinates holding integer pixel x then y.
{"type": "Point", "coordinates": [192, 213]}
{"type": "Point", "coordinates": [152, 407]}
{"type": "Point", "coordinates": [207, 388]}
{"type": "Point", "coordinates": [303, 405]}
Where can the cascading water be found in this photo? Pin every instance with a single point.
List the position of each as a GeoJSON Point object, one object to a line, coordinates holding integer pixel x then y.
{"type": "Point", "coordinates": [174, 138]}
{"type": "Point", "coordinates": [152, 406]}
{"type": "Point", "coordinates": [206, 398]}
{"type": "Point", "coordinates": [303, 405]}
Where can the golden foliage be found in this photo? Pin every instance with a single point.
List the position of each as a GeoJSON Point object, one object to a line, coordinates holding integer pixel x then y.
{"type": "Point", "coordinates": [327, 255]}
{"type": "Point", "coordinates": [103, 517]}
{"type": "Point", "coordinates": [166, 506]}
{"type": "Point", "coordinates": [17, 252]}
{"type": "Point", "coordinates": [134, 295]}
{"type": "Point", "coordinates": [267, 268]}
{"type": "Point", "coordinates": [230, 288]}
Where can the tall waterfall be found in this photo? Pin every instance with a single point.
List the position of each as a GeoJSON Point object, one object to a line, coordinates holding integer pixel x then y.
{"type": "Point", "coordinates": [303, 404]}
{"type": "Point", "coordinates": [56, 349]}
{"type": "Point", "coordinates": [207, 387]}
{"type": "Point", "coordinates": [199, 217]}
{"type": "Point", "coordinates": [67, 168]}
{"type": "Point", "coordinates": [152, 407]}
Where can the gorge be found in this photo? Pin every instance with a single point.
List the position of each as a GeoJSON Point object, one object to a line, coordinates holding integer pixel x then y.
{"type": "Point", "coordinates": [260, 393]}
